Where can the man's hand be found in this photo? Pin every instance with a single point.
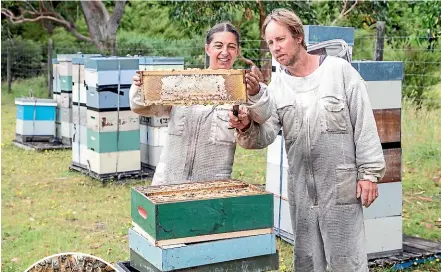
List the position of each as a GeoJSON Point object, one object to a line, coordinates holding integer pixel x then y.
{"type": "Point", "coordinates": [242, 121]}
{"type": "Point", "coordinates": [368, 190]}
{"type": "Point", "coordinates": [137, 81]}
{"type": "Point", "coordinates": [252, 79]}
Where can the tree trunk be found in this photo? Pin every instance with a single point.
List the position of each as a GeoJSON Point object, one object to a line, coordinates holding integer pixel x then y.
{"type": "Point", "coordinates": [102, 26]}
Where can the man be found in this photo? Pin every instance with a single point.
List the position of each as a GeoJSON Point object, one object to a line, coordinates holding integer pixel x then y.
{"type": "Point", "coordinates": [333, 149]}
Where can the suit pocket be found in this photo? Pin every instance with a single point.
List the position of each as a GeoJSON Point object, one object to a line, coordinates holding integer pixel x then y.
{"type": "Point", "coordinates": [334, 115]}
{"type": "Point", "coordinates": [346, 185]}
{"type": "Point", "coordinates": [221, 134]}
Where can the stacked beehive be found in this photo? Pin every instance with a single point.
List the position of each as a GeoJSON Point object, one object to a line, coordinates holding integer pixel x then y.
{"type": "Point", "coordinates": [113, 137]}
{"type": "Point", "coordinates": [79, 112]}
{"type": "Point", "coordinates": [383, 219]}
{"type": "Point", "coordinates": [209, 226]}
{"type": "Point", "coordinates": [154, 128]}
{"type": "Point", "coordinates": [64, 97]}
{"type": "Point", "coordinates": [56, 93]}
{"type": "Point", "coordinates": [35, 120]}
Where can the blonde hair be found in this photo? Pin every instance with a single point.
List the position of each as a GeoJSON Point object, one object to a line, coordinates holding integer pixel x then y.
{"type": "Point", "coordinates": [289, 19]}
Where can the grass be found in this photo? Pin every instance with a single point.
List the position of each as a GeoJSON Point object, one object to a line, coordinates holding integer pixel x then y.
{"type": "Point", "coordinates": [47, 209]}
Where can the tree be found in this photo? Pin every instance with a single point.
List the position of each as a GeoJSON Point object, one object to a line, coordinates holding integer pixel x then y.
{"type": "Point", "coordinates": [101, 25]}
{"type": "Point", "coordinates": [244, 15]}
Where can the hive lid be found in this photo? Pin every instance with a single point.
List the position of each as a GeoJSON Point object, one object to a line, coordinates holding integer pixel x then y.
{"type": "Point", "coordinates": [35, 101]}
{"type": "Point", "coordinates": [161, 60]}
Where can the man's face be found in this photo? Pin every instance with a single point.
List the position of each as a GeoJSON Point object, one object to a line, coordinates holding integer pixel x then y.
{"type": "Point", "coordinates": [283, 46]}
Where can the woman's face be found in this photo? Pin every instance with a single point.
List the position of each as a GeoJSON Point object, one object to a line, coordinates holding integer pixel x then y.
{"type": "Point", "coordinates": [223, 50]}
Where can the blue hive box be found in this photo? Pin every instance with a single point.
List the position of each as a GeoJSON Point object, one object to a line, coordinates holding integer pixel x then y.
{"type": "Point", "coordinates": [105, 98]}
{"type": "Point", "coordinates": [316, 34]}
{"type": "Point", "coordinates": [110, 71]}
{"type": "Point", "coordinates": [35, 117]}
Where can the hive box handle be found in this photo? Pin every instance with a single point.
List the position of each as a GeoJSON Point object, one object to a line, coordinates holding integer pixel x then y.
{"type": "Point", "coordinates": [142, 212]}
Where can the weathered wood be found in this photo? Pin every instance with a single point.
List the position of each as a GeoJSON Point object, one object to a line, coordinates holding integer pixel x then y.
{"type": "Point", "coordinates": [433, 246]}
{"type": "Point", "coordinates": [33, 138]}
{"type": "Point", "coordinates": [254, 264]}
{"type": "Point", "coordinates": [393, 165]}
{"type": "Point", "coordinates": [49, 69]}
{"type": "Point", "coordinates": [201, 238]}
{"type": "Point", "coordinates": [388, 125]}
{"type": "Point", "coordinates": [40, 146]}
{"type": "Point", "coordinates": [379, 41]}
{"type": "Point", "coordinates": [194, 86]}
{"type": "Point", "coordinates": [178, 211]}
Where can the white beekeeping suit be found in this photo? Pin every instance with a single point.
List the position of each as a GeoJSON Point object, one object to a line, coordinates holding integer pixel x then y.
{"type": "Point", "coordinates": [199, 146]}
{"type": "Point", "coordinates": [331, 141]}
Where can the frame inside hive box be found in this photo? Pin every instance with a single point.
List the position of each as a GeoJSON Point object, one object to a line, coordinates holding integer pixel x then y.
{"type": "Point", "coordinates": [201, 211]}
{"type": "Point", "coordinates": [193, 86]}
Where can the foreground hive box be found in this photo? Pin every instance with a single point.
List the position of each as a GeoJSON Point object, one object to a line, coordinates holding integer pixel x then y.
{"type": "Point", "coordinates": [194, 255]}
{"type": "Point", "coordinates": [195, 86]}
{"type": "Point", "coordinates": [201, 210]}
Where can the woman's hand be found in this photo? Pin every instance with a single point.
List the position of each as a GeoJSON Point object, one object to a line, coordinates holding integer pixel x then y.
{"type": "Point", "coordinates": [252, 79]}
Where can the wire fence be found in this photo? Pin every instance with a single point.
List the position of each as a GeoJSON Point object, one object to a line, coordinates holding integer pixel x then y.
{"type": "Point", "coordinates": [422, 61]}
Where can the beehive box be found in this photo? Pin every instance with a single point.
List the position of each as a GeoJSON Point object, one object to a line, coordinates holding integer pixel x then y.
{"type": "Point", "coordinates": [35, 117]}
{"type": "Point", "coordinates": [114, 141]}
{"type": "Point", "coordinates": [104, 71]}
{"type": "Point", "coordinates": [113, 162]}
{"type": "Point", "coordinates": [195, 86]}
{"type": "Point", "coordinates": [55, 80]}
{"type": "Point", "coordinates": [260, 263]}
{"type": "Point", "coordinates": [201, 211]}
{"type": "Point", "coordinates": [110, 121]}
{"type": "Point", "coordinates": [161, 63]}
{"type": "Point", "coordinates": [105, 98]}
{"type": "Point", "coordinates": [172, 258]}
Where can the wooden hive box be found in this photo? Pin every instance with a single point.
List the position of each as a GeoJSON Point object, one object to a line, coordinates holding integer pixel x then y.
{"type": "Point", "coordinates": [203, 211]}
{"type": "Point", "coordinates": [195, 86]}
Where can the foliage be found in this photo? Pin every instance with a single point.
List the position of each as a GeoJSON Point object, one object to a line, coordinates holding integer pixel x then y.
{"type": "Point", "coordinates": [26, 58]}
{"type": "Point", "coordinates": [151, 20]}
{"type": "Point", "coordinates": [422, 69]}
{"type": "Point", "coordinates": [130, 43]}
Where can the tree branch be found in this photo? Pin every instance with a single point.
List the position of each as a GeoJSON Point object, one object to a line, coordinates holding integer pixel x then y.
{"type": "Point", "coordinates": [345, 12]}
{"type": "Point", "coordinates": [351, 8]}
{"type": "Point", "coordinates": [52, 16]}
{"type": "Point", "coordinates": [118, 12]}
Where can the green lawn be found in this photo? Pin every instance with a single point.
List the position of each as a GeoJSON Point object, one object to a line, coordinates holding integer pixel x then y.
{"type": "Point", "coordinates": [47, 209]}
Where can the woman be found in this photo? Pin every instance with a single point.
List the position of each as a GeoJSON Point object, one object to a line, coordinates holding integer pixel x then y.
{"type": "Point", "coordinates": [200, 146]}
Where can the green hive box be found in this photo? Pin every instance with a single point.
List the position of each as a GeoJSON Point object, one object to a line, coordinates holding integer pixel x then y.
{"type": "Point", "coordinates": [203, 210]}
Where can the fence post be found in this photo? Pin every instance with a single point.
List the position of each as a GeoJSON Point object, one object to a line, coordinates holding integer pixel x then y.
{"type": "Point", "coordinates": [8, 65]}
{"type": "Point", "coordinates": [49, 69]}
{"type": "Point", "coordinates": [379, 41]}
